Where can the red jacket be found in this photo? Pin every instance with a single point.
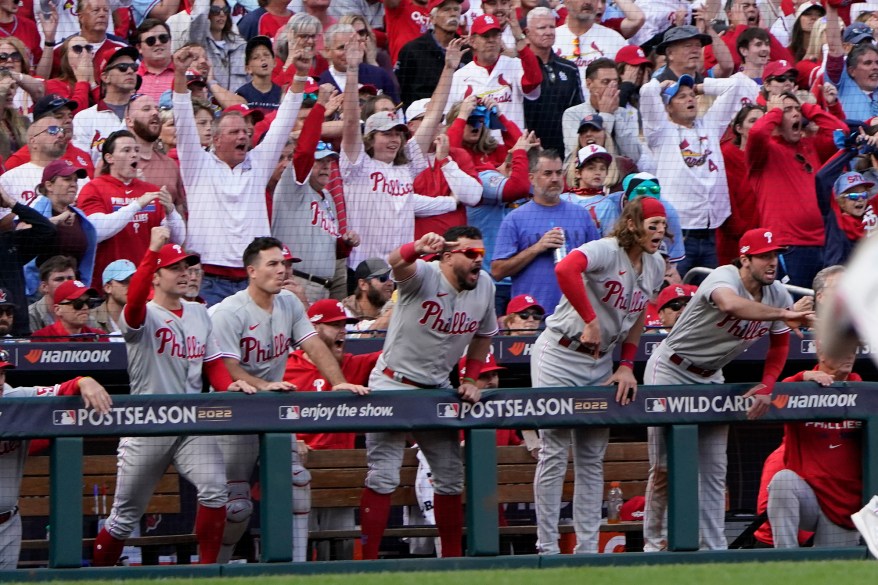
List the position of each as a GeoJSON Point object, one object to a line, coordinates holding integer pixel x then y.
{"type": "Point", "coordinates": [56, 329]}
{"type": "Point", "coordinates": [783, 173]}
{"type": "Point", "coordinates": [730, 38]}
{"type": "Point", "coordinates": [828, 455]}
{"type": "Point", "coordinates": [745, 212]}
{"type": "Point", "coordinates": [307, 378]}
{"type": "Point", "coordinates": [75, 155]}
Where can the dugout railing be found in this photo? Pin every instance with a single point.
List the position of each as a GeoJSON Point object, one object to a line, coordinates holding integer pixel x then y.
{"type": "Point", "coordinates": [273, 416]}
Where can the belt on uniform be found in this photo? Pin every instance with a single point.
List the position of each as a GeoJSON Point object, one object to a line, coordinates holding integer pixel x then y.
{"type": "Point", "coordinates": [8, 515]}
{"type": "Point", "coordinates": [698, 234]}
{"type": "Point", "coordinates": [684, 363]}
{"type": "Point", "coordinates": [324, 282]}
{"type": "Point", "coordinates": [400, 378]}
{"type": "Point", "coordinates": [578, 346]}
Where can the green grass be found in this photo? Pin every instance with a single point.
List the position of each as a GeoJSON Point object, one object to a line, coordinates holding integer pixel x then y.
{"type": "Point", "coordinates": [797, 573]}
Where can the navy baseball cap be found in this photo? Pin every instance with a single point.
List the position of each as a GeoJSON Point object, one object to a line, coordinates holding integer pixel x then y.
{"type": "Point", "coordinates": [857, 32]}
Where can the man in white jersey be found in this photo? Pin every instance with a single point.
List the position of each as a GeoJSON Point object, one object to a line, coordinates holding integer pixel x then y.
{"type": "Point", "coordinates": [13, 453]}
{"type": "Point", "coordinates": [255, 329]}
{"type": "Point", "coordinates": [607, 284]}
{"type": "Point", "coordinates": [582, 40]}
{"type": "Point", "coordinates": [169, 342]}
{"type": "Point", "coordinates": [443, 307]}
{"type": "Point", "coordinates": [734, 307]}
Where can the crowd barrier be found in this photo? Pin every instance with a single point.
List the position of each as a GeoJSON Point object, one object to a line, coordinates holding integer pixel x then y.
{"type": "Point", "coordinates": [274, 415]}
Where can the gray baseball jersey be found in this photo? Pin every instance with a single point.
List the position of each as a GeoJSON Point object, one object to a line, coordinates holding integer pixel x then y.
{"type": "Point", "coordinates": [711, 338]}
{"type": "Point", "coordinates": [304, 219]}
{"type": "Point", "coordinates": [617, 293]}
{"type": "Point", "coordinates": [432, 324]}
{"type": "Point", "coordinates": [258, 339]}
{"type": "Point", "coordinates": [166, 353]}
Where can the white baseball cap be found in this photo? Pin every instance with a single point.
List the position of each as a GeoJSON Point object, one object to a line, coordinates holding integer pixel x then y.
{"type": "Point", "coordinates": [417, 109]}
{"type": "Point", "coordinates": [382, 122]}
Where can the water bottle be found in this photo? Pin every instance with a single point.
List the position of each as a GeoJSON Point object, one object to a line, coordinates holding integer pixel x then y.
{"type": "Point", "coordinates": [559, 253]}
{"type": "Point", "coordinates": [614, 503]}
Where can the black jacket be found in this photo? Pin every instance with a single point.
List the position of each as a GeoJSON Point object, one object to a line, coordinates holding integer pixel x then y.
{"type": "Point", "coordinates": [419, 67]}
{"type": "Point", "coordinates": [17, 248]}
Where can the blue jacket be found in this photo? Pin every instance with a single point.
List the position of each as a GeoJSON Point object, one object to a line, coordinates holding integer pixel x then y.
{"type": "Point", "coordinates": [43, 206]}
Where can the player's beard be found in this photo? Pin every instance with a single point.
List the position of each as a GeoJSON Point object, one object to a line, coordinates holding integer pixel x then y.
{"type": "Point", "coordinates": [144, 133]}
{"type": "Point", "coordinates": [462, 275]}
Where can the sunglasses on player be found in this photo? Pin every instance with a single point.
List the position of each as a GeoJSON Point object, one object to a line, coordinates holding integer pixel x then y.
{"type": "Point", "coordinates": [14, 57]}
{"type": "Point", "coordinates": [471, 253]}
{"type": "Point", "coordinates": [214, 10]}
{"type": "Point", "coordinates": [856, 196]}
{"type": "Point", "coordinates": [51, 131]}
{"type": "Point", "coordinates": [646, 190]}
{"type": "Point", "coordinates": [78, 49]}
{"type": "Point", "coordinates": [123, 67]}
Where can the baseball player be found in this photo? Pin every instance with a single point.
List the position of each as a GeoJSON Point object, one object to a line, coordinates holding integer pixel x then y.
{"type": "Point", "coordinates": [329, 319]}
{"type": "Point", "coordinates": [169, 341]}
{"type": "Point", "coordinates": [14, 453]}
{"type": "Point", "coordinates": [621, 274]}
{"type": "Point", "coordinates": [734, 307]}
{"type": "Point", "coordinates": [443, 307]}
{"type": "Point", "coordinates": [255, 329]}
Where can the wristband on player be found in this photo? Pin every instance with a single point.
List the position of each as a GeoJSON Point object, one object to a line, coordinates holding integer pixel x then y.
{"type": "Point", "coordinates": [409, 253]}
{"type": "Point", "coordinates": [627, 363]}
{"type": "Point", "coordinates": [473, 368]}
{"type": "Point", "coordinates": [628, 353]}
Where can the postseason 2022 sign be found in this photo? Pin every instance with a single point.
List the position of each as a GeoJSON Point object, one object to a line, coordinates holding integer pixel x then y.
{"type": "Point", "coordinates": [403, 410]}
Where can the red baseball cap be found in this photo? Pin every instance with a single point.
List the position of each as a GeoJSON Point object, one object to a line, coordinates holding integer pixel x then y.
{"type": "Point", "coordinates": [328, 311]}
{"type": "Point", "coordinates": [437, 3]}
{"type": "Point", "coordinates": [778, 68]}
{"type": "Point", "coordinates": [245, 111]}
{"type": "Point", "coordinates": [288, 256]}
{"type": "Point", "coordinates": [633, 509]}
{"type": "Point", "coordinates": [522, 303]}
{"type": "Point", "coordinates": [170, 254]}
{"type": "Point", "coordinates": [72, 289]}
{"type": "Point", "coordinates": [5, 364]}
{"type": "Point", "coordinates": [62, 168]}
{"type": "Point", "coordinates": [674, 292]}
{"type": "Point", "coordinates": [485, 24]}
{"type": "Point", "coordinates": [632, 55]}
{"type": "Point", "coordinates": [759, 241]}
{"type": "Point", "coordinates": [490, 365]}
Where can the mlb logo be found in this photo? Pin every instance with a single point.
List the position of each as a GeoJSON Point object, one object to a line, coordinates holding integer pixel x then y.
{"type": "Point", "coordinates": [809, 346]}
{"type": "Point", "coordinates": [289, 412]}
{"type": "Point", "coordinates": [448, 410]}
{"type": "Point", "coordinates": [656, 405]}
{"type": "Point", "coordinates": [650, 346]}
{"type": "Point", "coordinates": [64, 417]}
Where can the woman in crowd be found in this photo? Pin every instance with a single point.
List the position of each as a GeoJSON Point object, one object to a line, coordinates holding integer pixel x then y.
{"type": "Point", "coordinates": [212, 29]}
{"type": "Point", "coordinates": [374, 104]}
{"type": "Point", "coordinates": [303, 29]}
{"type": "Point", "coordinates": [15, 60]}
{"type": "Point", "coordinates": [745, 214]}
{"type": "Point", "coordinates": [77, 78]}
{"type": "Point", "coordinates": [374, 55]}
{"type": "Point", "coordinates": [806, 16]}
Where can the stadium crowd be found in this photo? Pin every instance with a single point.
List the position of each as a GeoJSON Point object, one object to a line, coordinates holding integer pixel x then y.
{"type": "Point", "coordinates": [348, 129]}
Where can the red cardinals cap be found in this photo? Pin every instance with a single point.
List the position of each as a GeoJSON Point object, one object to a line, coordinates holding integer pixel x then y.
{"type": "Point", "coordinates": [170, 254]}
{"type": "Point", "coordinates": [485, 24]}
{"type": "Point", "coordinates": [288, 256]}
{"type": "Point", "coordinates": [652, 207]}
{"type": "Point", "coordinates": [778, 68]}
{"type": "Point", "coordinates": [437, 3]}
{"type": "Point", "coordinates": [6, 298]}
{"type": "Point", "coordinates": [633, 509]}
{"type": "Point", "coordinates": [490, 365]}
{"type": "Point", "coordinates": [72, 289]}
{"type": "Point", "coordinates": [632, 55]}
{"type": "Point", "coordinates": [759, 241]}
{"type": "Point", "coordinates": [245, 111]}
{"type": "Point", "coordinates": [522, 303]}
{"type": "Point", "coordinates": [674, 292]}
{"type": "Point", "coordinates": [328, 311]}
{"type": "Point", "coordinates": [5, 364]}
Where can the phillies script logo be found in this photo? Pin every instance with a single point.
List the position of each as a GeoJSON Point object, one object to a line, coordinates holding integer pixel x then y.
{"type": "Point", "coordinates": [458, 324]}
{"type": "Point", "coordinates": [191, 349]}
{"type": "Point", "coordinates": [746, 330]}
{"type": "Point", "coordinates": [254, 351]}
{"type": "Point", "coordinates": [617, 298]}
{"type": "Point", "coordinates": [394, 187]}
{"type": "Point", "coordinates": [321, 219]}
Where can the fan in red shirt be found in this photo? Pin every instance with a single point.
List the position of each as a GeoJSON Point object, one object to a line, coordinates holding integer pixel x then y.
{"type": "Point", "coordinates": [821, 484]}
{"type": "Point", "coordinates": [408, 19]}
{"type": "Point", "coordinates": [72, 302]}
{"type": "Point", "coordinates": [123, 208]}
